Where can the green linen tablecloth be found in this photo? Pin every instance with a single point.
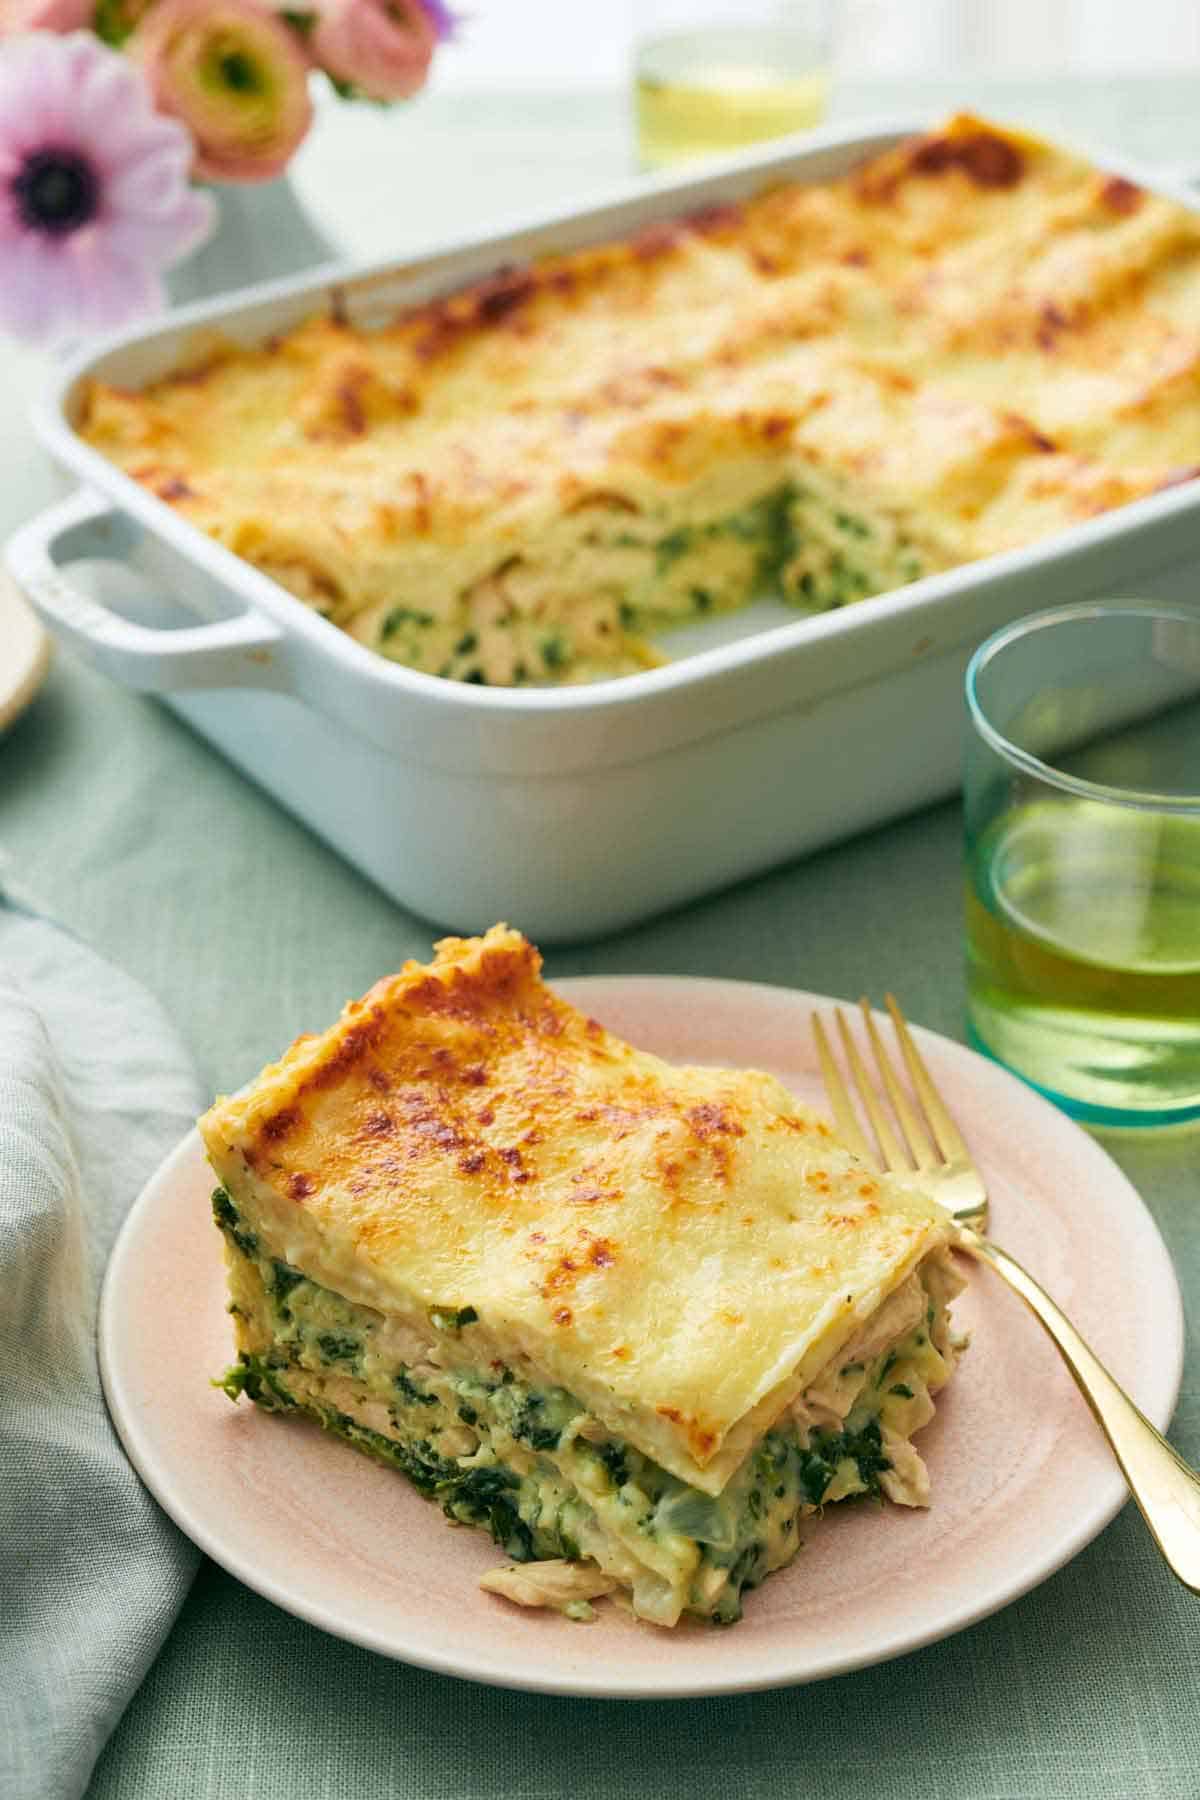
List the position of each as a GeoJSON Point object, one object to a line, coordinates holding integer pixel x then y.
{"type": "Point", "coordinates": [118, 822]}
{"type": "Point", "coordinates": [248, 931]}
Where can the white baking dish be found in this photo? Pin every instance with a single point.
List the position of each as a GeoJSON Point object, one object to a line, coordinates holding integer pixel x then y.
{"type": "Point", "coordinates": [570, 811]}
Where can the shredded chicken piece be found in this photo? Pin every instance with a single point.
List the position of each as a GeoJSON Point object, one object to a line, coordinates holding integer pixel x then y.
{"type": "Point", "coordinates": [907, 1481]}
{"type": "Point", "coordinates": [553, 1583]}
{"type": "Point", "coordinates": [456, 1440]}
{"type": "Point", "coordinates": [944, 1281]}
{"type": "Point", "coordinates": [812, 1413]}
{"type": "Point", "coordinates": [831, 1394]}
{"type": "Point", "coordinates": [893, 1321]}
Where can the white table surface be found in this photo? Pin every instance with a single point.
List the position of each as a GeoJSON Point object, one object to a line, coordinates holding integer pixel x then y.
{"type": "Point", "coordinates": [378, 180]}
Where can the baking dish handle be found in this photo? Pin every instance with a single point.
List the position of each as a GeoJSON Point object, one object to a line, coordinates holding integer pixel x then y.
{"type": "Point", "coordinates": [244, 651]}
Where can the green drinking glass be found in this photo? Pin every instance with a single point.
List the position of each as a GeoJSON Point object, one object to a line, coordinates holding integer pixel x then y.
{"type": "Point", "coordinates": [1082, 798]}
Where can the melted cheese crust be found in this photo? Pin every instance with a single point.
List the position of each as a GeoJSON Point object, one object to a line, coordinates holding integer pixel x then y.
{"type": "Point", "coordinates": [681, 1248]}
{"type": "Point", "coordinates": [967, 344]}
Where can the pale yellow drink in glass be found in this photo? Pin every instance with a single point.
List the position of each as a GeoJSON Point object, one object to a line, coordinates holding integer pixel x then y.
{"type": "Point", "coordinates": [1083, 934]}
{"type": "Point", "coordinates": [1082, 812]}
{"type": "Point", "coordinates": [704, 92]}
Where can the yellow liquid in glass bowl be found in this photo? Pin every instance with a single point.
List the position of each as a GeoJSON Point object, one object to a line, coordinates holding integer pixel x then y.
{"type": "Point", "coordinates": [705, 93]}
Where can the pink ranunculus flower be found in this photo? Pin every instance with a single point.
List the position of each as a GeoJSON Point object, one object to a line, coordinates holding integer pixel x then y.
{"type": "Point", "coordinates": [94, 193]}
{"type": "Point", "coordinates": [237, 76]}
{"type": "Point", "coordinates": [44, 15]}
{"type": "Point", "coordinates": [382, 48]}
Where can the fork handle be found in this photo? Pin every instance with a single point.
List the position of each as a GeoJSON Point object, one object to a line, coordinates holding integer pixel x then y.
{"type": "Point", "coordinates": [1165, 1488]}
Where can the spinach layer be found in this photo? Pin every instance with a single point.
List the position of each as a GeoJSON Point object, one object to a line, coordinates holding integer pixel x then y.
{"type": "Point", "coordinates": [487, 1496]}
{"type": "Point", "coordinates": [569, 1480]}
{"type": "Point", "coordinates": [794, 544]}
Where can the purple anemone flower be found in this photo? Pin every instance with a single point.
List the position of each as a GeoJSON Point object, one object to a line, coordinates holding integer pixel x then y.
{"type": "Point", "coordinates": [94, 194]}
{"type": "Point", "coordinates": [445, 22]}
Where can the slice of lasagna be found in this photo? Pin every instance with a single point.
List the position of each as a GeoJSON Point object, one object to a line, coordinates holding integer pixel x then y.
{"type": "Point", "coordinates": [633, 1319]}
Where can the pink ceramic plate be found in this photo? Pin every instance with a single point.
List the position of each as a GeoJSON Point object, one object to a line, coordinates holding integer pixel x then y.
{"type": "Point", "coordinates": [1021, 1476]}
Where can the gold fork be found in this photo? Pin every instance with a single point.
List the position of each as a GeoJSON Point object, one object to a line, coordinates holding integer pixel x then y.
{"type": "Point", "coordinates": [1165, 1488]}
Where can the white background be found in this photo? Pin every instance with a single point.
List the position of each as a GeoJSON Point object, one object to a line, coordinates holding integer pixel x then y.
{"type": "Point", "coordinates": [548, 43]}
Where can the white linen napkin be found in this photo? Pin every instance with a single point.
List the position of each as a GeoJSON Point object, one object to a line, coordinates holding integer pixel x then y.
{"type": "Point", "coordinates": [95, 1088]}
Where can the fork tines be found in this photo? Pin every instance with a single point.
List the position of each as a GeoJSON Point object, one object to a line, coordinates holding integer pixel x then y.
{"type": "Point", "coordinates": [917, 1150]}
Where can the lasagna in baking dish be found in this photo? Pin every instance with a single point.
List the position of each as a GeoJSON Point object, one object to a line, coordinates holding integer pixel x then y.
{"type": "Point", "coordinates": [635, 1320]}
{"type": "Point", "coordinates": [824, 393]}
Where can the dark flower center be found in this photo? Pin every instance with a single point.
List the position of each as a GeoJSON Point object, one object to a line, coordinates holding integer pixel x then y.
{"type": "Point", "coordinates": [56, 191]}
{"type": "Point", "coordinates": [239, 72]}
